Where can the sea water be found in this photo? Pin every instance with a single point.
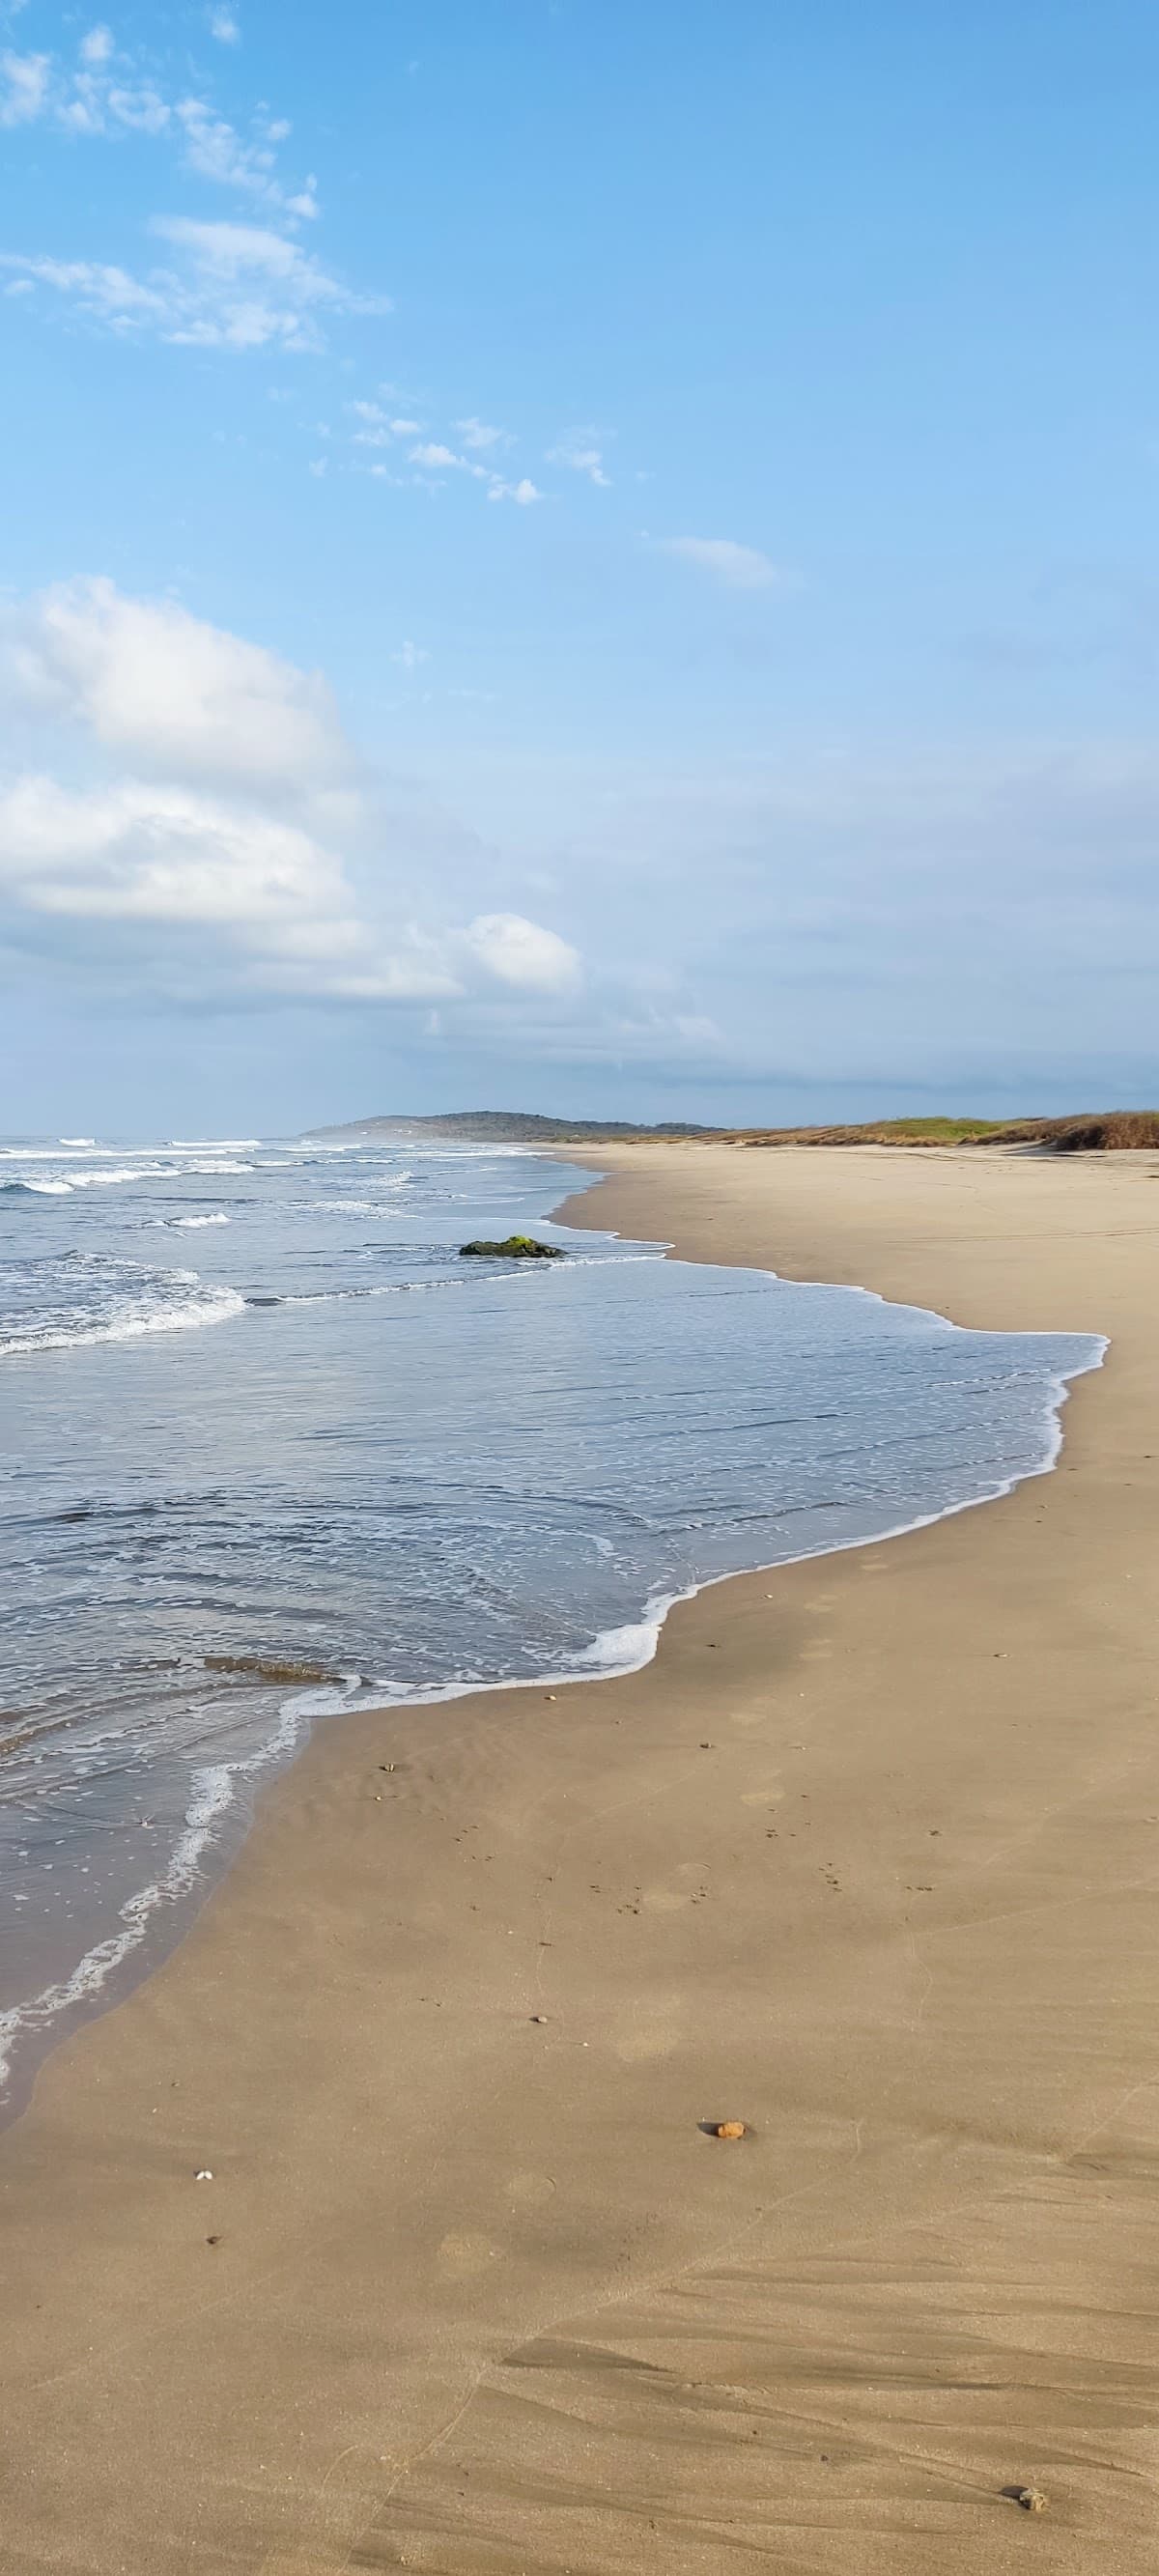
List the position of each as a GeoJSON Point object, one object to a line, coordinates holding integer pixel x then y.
{"type": "Point", "coordinates": [269, 1449]}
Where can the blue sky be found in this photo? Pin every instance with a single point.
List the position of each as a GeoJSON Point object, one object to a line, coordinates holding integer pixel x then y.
{"type": "Point", "coordinates": [582, 555]}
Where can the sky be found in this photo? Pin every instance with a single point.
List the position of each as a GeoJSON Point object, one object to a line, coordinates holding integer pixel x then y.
{"type": "Point", "coordinates": [577, 554]}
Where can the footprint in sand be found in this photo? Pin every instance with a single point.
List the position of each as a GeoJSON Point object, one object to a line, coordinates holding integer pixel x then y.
{"type": "Point", "coordinates": [670, 1894]}
{"type": "Point", "coordinates": [531, 2190]}
{"type": "Point", "coordinates": [461, 2255]}
{"type": "Point", "coordinates": [652, 2034]}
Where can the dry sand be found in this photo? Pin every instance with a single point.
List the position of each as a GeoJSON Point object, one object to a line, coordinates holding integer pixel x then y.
{"type": "Point", "coordinates": [867, 1858]}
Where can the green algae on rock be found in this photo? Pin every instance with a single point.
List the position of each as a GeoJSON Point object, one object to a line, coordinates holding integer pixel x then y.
{"type": "Point", "coordinates": [517, 1247]}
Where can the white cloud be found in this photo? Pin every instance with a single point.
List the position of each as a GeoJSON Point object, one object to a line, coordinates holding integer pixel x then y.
{"type": "Point", "coordinates": [215, 150]}
{"type": "Point", "coordinates": [524, 492]}
{"type": "Point", "coordinates": [97, 103]}
{"type": "Point", "coordinates": [107, 293]}
{"type": "Point", "coordinates": [95, 97]}
{"type": "Point", "coordinates": [410, 655]}
{"type": "Point", "coordinates": [435, 458]}
{"type": "Point", "coordinates": [178, 695]}
{"type": "Point", "coordinates": [521, 954]}
{"type": "Point", "coordinates": [245, 847]}
{"type": "Point", "coordinates": [238, 287]}
{"type": "Point", "coordinates": [434, 455]}
{"type": "Point", "coordinates": [24, 87]}
{"type": "Point", "coordinates": [318, 466]}
{"type": "Point", "coordinates": [479, 433]}
{"type": "Point", "coordinates": [160, 853]}
{"type": "Point", "coordinates": [738, 567]}
{"type": "Point", "coordinates": [380, 430]}
{"type": "Point", "coordinates": [578, 451]}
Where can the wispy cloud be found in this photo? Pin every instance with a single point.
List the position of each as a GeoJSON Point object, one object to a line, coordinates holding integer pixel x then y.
{"type": "Point", "coordinates": [480, 434]}
{"type": "Point", "coordinates": [25, 81]}
{"type": "Point", "coordinates": [236, 286]}
{"type": "Point", "coordinates": [216, 151]}
{"type": "Point", "coordinates": [224, 28]}
{"type": "Point", "coordinates": [378, 428]}
{"type": "Point", "coordinates": [738, 567]}
{"type": "Point", "coordinates": [435, 458]}
{"type": "Point", "coordinates": [106, 91]}
{"type": "Point", "coordinates": [577, 449]}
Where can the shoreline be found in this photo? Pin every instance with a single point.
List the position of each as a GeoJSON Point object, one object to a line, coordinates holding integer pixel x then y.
{"type": "Point", "coordinates": [411, 2205]}
{"type": "Point", "coordinates": [160, 1915]}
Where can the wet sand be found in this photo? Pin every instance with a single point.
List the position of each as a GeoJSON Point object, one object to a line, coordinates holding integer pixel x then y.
{"type": "Point", "coordinates": [867, 1858]}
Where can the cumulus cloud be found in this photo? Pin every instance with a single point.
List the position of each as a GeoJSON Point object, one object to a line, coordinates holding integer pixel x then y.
{"type": "Point", "coordinates": [223, 27]}
{"type": "Point", "coordinates": [235, 286]}
{"type": "Point", "coordinates": [176, 694]}
{"type": "Point", "coordinates": [522, 493]}
{"type": "Point", "coordinates": [159, 853]}
{"type": "Point", "coordinates": [243, 832]}
{"type": "Point", "coordinates": [435, 457]}
{"type": "Point", "coordinates": [738, 567]}
{"type": "Point", "coordinates": [520, 953]}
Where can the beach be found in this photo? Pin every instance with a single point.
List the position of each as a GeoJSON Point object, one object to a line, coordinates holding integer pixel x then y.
{"type": "Point", "coordinates": [866, 1858]}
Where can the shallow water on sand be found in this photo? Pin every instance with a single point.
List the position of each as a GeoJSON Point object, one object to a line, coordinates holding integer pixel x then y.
{"type": "Point", "coordinates": [271, 1449]}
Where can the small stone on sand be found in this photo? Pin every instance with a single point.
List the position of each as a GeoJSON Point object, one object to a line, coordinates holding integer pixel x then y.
{"type": "Point", "coordinates": [729, 2129]}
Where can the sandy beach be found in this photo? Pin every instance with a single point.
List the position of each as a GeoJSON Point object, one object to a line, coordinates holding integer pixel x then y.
{"type": "Point", "coordinates": [867, 1858]}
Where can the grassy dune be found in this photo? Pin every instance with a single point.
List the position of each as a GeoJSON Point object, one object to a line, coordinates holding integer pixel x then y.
{"type": "Point", "coordinates": [1112, 1131]}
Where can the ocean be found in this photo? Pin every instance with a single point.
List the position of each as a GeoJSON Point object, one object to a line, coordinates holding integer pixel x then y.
{"type": "Point", "coordinates": [269, 1450]}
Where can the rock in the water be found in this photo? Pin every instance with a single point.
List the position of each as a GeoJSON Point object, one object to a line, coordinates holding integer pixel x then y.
{"type": "Point", "coordinates": [517, 1247]}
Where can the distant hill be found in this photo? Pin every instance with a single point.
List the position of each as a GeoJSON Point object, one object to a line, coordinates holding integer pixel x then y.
{"type": "Point", "coordinates": [508, 1127]}
{"type": "Point", "coordinates": [1108, 1131]}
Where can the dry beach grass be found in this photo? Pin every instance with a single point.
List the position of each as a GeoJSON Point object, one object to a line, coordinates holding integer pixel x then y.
{"type": "Point", "coordinates": [867, 1859]}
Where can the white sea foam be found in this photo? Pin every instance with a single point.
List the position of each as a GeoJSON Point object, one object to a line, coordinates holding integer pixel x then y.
{"type": "Point", "coordinates": [219, 1217]}
{"type": "Point", "coordinates": [213, 1789]}
{"type": "Point", "coordinates": [62, 1184]}
{"type": "Point", "coordinates": [128, 1322]}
